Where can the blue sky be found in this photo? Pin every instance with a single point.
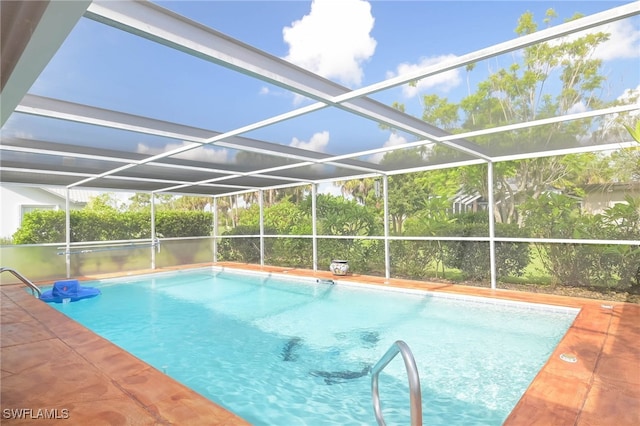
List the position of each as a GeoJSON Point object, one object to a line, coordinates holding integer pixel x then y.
{"type": "Point", "coordinates": [352, 42]}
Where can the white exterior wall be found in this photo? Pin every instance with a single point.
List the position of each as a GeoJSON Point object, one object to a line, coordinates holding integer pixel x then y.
{"type": "Point", "coordinates": [596, 202]}
{"type": "Point", "coordinates": [13, 198]}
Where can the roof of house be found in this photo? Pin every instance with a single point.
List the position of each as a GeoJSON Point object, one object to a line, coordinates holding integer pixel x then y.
{"type": "Point", "coordinates": [80, 196]}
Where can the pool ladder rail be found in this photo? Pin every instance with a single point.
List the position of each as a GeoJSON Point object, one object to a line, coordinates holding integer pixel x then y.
{"type": "Point", "coordinates": [34, 288]}
{"type": "Point", "coordinates": [415, 395]}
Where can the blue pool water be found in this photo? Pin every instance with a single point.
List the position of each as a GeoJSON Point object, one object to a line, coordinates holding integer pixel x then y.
{"type": "Point", "coordinates": [284, 351]}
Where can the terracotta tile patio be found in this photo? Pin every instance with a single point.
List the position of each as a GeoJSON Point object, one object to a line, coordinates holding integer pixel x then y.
{"type": "Point", "coordinates": [103, 384]}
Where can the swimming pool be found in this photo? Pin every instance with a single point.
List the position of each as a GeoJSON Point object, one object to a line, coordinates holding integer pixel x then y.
{"type": "Point", "coordinates": [287, 351]}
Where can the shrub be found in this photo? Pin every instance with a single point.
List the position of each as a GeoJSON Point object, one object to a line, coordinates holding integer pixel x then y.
{"type": "Point", "coordinates": [48, 226]}
{"type": "Point", "coordinates": [558, 216]}
{"type": "Point", "coordinates": [473, 257]}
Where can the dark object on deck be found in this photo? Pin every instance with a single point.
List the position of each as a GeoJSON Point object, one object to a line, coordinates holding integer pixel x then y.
{"type": "Point", "coordinates": [333, 377]}
{"type": "Point", "coordinates": [68, 291]}
{"type": "Point", "coordinates": [288, 352]}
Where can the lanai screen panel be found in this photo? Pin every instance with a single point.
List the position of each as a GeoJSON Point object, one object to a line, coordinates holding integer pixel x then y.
{"type": "Point", "coordinates": [86, 137]}
{"type": "Point", "coordinates": [37, 177]}
{"type": "Point", "coordinates": [600, 133]}
{"type": "Point", "coordinates": [155, 81]}
{"type": "Point", "coordinates": [268, 122]}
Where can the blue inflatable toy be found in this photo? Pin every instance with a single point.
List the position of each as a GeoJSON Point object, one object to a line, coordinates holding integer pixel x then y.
{"type": "Point", "coordinates": [68, 289]}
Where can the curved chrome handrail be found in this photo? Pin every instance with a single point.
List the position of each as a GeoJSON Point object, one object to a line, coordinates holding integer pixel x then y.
{"type": "Point", "coordinates": [19, 276]}
{"type": "Point", "coordinates": [415, 396]}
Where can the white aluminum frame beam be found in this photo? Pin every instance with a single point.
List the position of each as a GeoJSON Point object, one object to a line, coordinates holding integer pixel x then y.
{"type": "Point", "coordinates": [160, 25]}
{"type": "Point", "coordinates": [49, 30]}
{"type": "Point", "coordinates": [53, 108]}
{"type": "Point", "coordinates": [169, 28]}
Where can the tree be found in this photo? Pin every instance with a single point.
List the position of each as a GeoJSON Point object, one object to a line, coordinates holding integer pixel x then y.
{"type": "Point", "coordinates": [547, 80]}
{"type": "Point", "coordinates": [362, 190]}
{"type": "Point", "coordinates": [191, 203]}
{"type": "Point", "coordinates": [106, 202]}
{"type": "Point", "coordinates": [141, 201]}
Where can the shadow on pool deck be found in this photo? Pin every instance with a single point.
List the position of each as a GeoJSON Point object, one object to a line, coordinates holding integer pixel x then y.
{"type": "Point", "coordinates": [51, 362]}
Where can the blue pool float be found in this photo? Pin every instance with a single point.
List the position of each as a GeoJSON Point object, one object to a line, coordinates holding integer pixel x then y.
{"type": "Point", "coordinates": [68, 289]}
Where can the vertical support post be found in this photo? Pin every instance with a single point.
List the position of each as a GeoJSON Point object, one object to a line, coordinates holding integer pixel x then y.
{"type": "Point", "coordinates": [235, 212]}
{"type": "Point", "coordinates": [67, 225]}
{"type": "Point", "coordinates": [153, 230]}
{"type": "Point", "coordinates": [261, 204]}
{"type": "Point", "coordinates": [387, 256]}
{"type": "Point", "coordinates": [314, 226]}
{"type": "Point", "coordinates": [492, 220]}
{"type": "Point", "coordinates": [214, 209]}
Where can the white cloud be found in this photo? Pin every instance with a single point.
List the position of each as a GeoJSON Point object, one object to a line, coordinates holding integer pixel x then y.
{"type": "Point", "coordinates": [624, 41]}
{"type": "Point", "coordinates": [577, 108]}
{"type": "Point", "coordinates": [22, 134]}
{"type": "Point", "coordinates": [330, 189]}
{"type": "Point", "coordinates": [630, 95]}
{"type": "Point", "coordinates": [208, 154]}
{"type": "Point", "coordinates": [443, 81]}
{"type": "Point", "coordinates": [264, 90]}
{"type": "Point", "coordinates": [333, 39]}
{"type": "Point", "coordinates": [317, 143]}
{"type": "Point", "coordinates": [613, 121]}
{"type": "Point", "coordinates": [394, 140]}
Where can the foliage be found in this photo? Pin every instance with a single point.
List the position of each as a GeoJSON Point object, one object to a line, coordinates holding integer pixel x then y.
{"type": "Point", "coordinates": [413, 193]}
{"type": "Point", "coordinates": [179, 223]}
{"type": "Point", "coordinates": [284, 218]}
{"type": "Point", "coordinates": [433, 219]}
{"type": "Point", "coordinates": [559, 216]}
{"type": "Point", "coordinates": [191, 203]}
{"type": "Point", "coordinates": [103, 202]}
{"type": "Point", "coordinates": [545, 80]}
{"type": "Point", "coordinates": [335, 216]}
{"type": "Point", "coordinates": [338, 216]}
{"type": "Point", "coordinates": [634, 131]}
{"type": "Point", "coordinates": [48, 226]}
{"type": "Point", "coordinates": [473, 257]}
{"type": "Point", "coordinates": [291, 252]}
{"type": "Point", "coordinates": [413, 258]}
{"type": "Point", "coordinates": [88, 225]}
{"type": "Point", "coordinates": [365, 191]}
{"type": "Point", "coordinates": [622, 221]}
{"type": "Point", "coordinates": [241, 249]}
{"type": "Point", "coordinates": [41, 226]}
{"type": "Point", "coordinates": [141, 202]}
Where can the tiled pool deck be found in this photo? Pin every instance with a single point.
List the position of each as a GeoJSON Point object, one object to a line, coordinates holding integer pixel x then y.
{"type": "Point", "coordinates": [49, 362]}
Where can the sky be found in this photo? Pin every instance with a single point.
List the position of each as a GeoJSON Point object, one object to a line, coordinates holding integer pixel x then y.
{"type": "Point", "coordinates": [352, 42]}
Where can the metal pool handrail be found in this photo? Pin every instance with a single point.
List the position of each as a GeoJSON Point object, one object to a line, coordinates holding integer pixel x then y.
{"type": "Point", "coordinates": [19, 276]}
{"type": "Point", "coordinates": [415, 396]}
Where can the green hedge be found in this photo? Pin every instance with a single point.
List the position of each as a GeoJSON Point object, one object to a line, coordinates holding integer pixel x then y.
{"type": "Point", "coordinates": [48, 226]}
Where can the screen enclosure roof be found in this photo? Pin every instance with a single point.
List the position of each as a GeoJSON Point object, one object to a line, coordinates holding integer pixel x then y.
{"type": "Point", "coordinates": [104, 129]}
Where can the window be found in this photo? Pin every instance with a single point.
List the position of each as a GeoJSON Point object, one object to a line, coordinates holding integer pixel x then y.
{"type": "Point", "coordinates": [26, 208]}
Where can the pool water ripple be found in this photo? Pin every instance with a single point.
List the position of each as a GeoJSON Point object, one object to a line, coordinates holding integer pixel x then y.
{"type": "Point", "coordinates": [291, 352]}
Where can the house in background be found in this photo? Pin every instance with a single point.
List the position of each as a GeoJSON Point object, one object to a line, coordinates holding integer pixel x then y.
{"type": "Point", "coordinates": [599, 197]}
{"type": "Point", "coordinates": [468, 203]}
{"type": "Point", "coordinates": [16, 201]}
